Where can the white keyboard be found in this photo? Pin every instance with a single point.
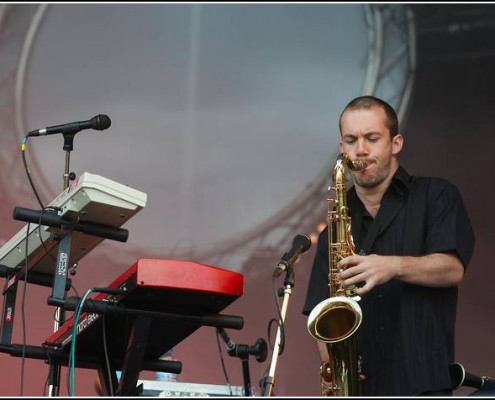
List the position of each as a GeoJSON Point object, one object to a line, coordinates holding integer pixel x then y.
{"type": "Point", "coordinates": [184, 389]}
{"type": "Point", "coordinates": [91, 198]}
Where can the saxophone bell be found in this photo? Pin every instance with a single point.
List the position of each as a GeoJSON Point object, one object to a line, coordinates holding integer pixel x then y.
{"type": "Point", "coordinates": [335, 319]}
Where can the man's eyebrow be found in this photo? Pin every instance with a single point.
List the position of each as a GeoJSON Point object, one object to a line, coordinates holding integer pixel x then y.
{"type": "Point", "coordinates": [364, 134]}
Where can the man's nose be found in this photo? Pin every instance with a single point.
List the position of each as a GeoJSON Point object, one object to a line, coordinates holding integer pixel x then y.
{"type": "Point", "coordinates": [362, 147]}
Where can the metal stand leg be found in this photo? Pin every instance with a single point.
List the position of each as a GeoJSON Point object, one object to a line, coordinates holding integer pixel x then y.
{"type": "Point", "coordinates": [269, 380]}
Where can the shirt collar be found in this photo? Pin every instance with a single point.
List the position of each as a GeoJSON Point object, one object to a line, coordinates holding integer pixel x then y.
{"type": "Point", "coordinates": [401, 181]}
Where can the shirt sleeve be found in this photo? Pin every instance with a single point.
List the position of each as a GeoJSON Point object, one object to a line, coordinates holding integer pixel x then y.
{"type": "Point", "coordinates": [449, 227]}
{"type": "Point", "coordinates": [318, 282]}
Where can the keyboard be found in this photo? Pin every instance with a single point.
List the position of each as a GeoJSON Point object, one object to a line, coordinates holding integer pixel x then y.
{"type": "Point", "coordinates": [89, 198]}
{"type": "Point", "coordinates": [183, 389]}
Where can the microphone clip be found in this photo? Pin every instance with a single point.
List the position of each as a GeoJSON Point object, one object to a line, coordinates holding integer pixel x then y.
{"type": "Point", "coordinates": [281, 267]}
{"type": "Point", "coordinates": [242, 351]}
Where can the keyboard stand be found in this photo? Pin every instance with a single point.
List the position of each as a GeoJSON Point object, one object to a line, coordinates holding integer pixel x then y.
{"type": "Point", "coordinates": [134, 357]}
{"type": "Point", "coordinates": [129, 306]}
{"type": "Point", "coordinates": [59, 288]}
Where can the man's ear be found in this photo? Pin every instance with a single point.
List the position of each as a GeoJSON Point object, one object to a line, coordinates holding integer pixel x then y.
{"type": "Point", "coordinates": [397, 143]}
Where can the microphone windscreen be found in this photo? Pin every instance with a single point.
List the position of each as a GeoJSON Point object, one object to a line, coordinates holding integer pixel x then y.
{"type": "Point", "coordinates": [303, 241]}
{"type": "Point", "coordinates": [101, 122]}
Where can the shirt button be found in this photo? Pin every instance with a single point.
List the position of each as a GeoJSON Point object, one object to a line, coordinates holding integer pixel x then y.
{"type": "Point", "coordinates": [379, 296]}
{"type": "Point", "coordinates": [381, 328]}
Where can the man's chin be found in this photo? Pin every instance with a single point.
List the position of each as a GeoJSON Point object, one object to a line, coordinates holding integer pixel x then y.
{"type": "Point", "coordinates": [365, 183]}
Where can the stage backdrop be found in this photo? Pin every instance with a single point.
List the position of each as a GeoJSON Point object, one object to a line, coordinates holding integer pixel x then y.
{"type": "Point", "coordinates": [226, 116]}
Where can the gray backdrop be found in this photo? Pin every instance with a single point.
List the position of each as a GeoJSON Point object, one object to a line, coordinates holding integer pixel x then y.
{"type": "Point", "coordinates": [226, 116]}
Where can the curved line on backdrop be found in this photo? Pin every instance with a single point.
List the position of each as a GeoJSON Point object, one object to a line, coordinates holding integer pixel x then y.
{"type": "Point", "coordinates": [377, 21]}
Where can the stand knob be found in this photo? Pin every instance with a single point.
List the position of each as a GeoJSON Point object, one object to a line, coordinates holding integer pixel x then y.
{"type": "Point", "coordinates": [259, 350]}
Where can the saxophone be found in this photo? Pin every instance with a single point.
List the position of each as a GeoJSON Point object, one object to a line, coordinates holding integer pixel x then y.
{"type": "Point", "coordinates": [334, 321]}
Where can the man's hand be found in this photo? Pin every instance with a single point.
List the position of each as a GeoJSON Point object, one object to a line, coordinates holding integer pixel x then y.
{"type": "Point", "coordinates": [372, 270]}
{"type": "Point", "coordinates": [432, 270]}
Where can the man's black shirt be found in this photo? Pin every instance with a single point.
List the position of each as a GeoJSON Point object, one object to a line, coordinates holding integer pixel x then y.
{"type": "Point", "coordinates": [406, 339]}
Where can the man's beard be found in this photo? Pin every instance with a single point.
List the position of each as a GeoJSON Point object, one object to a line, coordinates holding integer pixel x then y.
{"type": "Point", "coordinates": [374, 180]}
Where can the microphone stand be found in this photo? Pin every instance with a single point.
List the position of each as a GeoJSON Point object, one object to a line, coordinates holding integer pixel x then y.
{"type": "Point", "coordinates": [242, 351]}
{"type": "Point", "coordinates": [269, 380]}
{"type": "Point", "coordinates": [55, 368]}
{"type": "Point", "coordinates": [68, 147]}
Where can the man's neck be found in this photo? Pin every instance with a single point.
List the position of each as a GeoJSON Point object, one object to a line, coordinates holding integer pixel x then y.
{"type": "Point", "coordinates": [370, 200]}
{"type": "Point", "coordinates": [371, 197]}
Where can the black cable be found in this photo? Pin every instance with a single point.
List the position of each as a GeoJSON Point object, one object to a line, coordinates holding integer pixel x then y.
{"type": "Point", "coordinates": [280, 321]}
{"type": "Point", "coordinates": [23, 314]}
{"type": "Point", "coordinates": [72, 355]}
{"type": "Point", "coordinates": [28, 173]}
{"type": "Point", "coordinates": [223, 362]}
{"type": "Point", "coordinates": [107, 360]}
{"type": "Point", "coordinates": [74, 289]}
{"type": "Point", "coordinates": [45, 386]}
{"type": "Point", "coordinates": [43, 208]}
{"type": "Point", "coordinates": [67, 378]}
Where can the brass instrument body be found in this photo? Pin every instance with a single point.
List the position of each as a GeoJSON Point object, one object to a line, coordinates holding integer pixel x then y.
{"type": "Point", "coordinates": [334, 321]}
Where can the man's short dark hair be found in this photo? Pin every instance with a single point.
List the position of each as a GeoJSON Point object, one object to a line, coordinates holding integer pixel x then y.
{"type": "Point", "coordinates": [367, 102]}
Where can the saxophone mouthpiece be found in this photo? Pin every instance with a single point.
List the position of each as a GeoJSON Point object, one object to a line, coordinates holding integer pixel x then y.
{"type": "Point", "coordinates": [357, 165]}
{"type": "Point", "coordinates": [353, 165]}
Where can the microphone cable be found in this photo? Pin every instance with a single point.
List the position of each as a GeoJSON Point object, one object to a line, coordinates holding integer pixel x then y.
{"type": "Point", "coordinates": [28, 173]}
{"type": "Point", "coordinates": [279, 321]}
{"type": "Point", "coordinates": [43, 208]}
{"type": "Point", "coordinates": [105, 352]}
{"type": "Point", "coordinates": [23, 315]}
{"type": "Point", "coordinates": [26, 269]}
{"type": "Point", "coordinates": [72, 354]}
{"type": "Point", "coordinates": [222, 361]}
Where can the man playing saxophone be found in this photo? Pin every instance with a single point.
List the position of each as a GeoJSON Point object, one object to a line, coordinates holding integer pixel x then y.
{"type": "Point", "coordinates": [413, 242]}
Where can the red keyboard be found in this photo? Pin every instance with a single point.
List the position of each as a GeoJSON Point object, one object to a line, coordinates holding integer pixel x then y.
{"type": "Point", "coordinates": [168, 286]}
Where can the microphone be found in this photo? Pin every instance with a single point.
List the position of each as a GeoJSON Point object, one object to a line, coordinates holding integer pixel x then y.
{"type": "Point", "coordinates": [300, 244]}
{"type": "Point", "coordinates": [100, 122]}
{"type": "Point", "coordinates": [459, 377]}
